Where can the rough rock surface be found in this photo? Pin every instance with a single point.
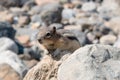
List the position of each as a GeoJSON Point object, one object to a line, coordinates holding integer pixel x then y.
{"type": "Point", "coordinates": [47, 68]}
{"type": "Point", "coordinates": [92, 62]}
{"type": "Point", "coordinates": [44, 70]}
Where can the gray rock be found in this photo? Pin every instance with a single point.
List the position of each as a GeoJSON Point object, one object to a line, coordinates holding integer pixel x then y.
{"type": "Point", "coordinates": [6, 30]}
{"type": "Point", "coordinates": [109, 6]}
{"type": "Point", "coordinates": [36, 18]}
{"type": "Point", "coordinates": [25, 31]}
{"type": "Point", "coordinates": [35, 10]}
{"type": "Point", "coordinates": [10, 3]}
{"type": "Point", "coordinates": [81, 37]}
{"type": "Point", "coordinates": [92, 62]}
{"type": "Point", "coordinates": [67, 14]}
{"type": "Point", "coordinates": [28, 5]}
{"type": "Point", "coordinates": [46, 7]}
{"type": "Point", "coordinates": [9, 57]}
{"type": "Point", "coordinates": [109, 9]}
{"type": "Point", "coordinates": [17, 11]}
{"type": "Point", "coordinates": [50, 13]}
{"type": "Point", "coordinates": [36, 21]}
{"type": "Point", "coordinates": [8, 44]}
{"type": "Point", "coordinates": [34, 52]}
{"type": "Point", "coordinates": [2, 8]}
{"type": "Point", "coordinates": [57, 25]}
{"type": "Point", "coordinates": [88, 20]}
{"type": "Point", "coordinates": [22, 2]}
{"type": "Point", "coordinates": [89, 6]}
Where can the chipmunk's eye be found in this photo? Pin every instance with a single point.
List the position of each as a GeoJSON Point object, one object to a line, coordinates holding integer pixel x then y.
{"type": "Point", "coordinates": [48, 35]}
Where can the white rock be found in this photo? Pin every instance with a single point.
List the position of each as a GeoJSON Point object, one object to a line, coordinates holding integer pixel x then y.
{"type": "Point", "coordinates": [13, 60]}
{"type": "Point", "coordinates": [108, 6]}
{"type": "Point", "coordinates": [89, 6]}
{"type": "Point", "coordinates": [68, 13]}
{"type": "Point", "coordinates": [108, 39]}
{"type": "Point", "coordinates": [8, 44]}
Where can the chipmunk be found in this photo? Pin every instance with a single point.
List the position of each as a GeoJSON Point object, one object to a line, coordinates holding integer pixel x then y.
{"type": "Point", "coordinates": [53, 39]}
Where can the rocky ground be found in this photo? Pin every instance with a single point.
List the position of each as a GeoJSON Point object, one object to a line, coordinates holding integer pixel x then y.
{"type": "Point", "coordinates": [94, 22]}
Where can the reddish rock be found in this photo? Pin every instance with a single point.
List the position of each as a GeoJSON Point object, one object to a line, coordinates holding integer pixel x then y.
{"type": "Point", "coordinates": [35, 25]}
{"type": "Point", "coordinates": [9, 18]}
{"type": "Point", "coordinates": [68, 5]}
{"type": "Point", "coordinates": [23, 39]}
{"type": "Point", "coordinates": [3, 15]}
{"type": "Point", "coordinates": [7, 73]}
{"type": "Point", "coordinates": [6, 16]}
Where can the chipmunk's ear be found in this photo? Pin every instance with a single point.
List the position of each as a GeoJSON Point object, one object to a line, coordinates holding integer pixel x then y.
{"type": "Point", "coordinates": [54, 30]}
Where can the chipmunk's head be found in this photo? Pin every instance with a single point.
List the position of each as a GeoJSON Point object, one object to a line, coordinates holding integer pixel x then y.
{"type": "Point", "coordinates": [48, 37]}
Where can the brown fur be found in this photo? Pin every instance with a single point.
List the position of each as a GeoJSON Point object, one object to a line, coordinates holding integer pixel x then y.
{"type": "Point", "coordinates": [53, 40]}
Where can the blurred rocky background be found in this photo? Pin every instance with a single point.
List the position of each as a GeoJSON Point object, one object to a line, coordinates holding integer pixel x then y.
{"type": "Point", "coordinates": [92, 21]}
